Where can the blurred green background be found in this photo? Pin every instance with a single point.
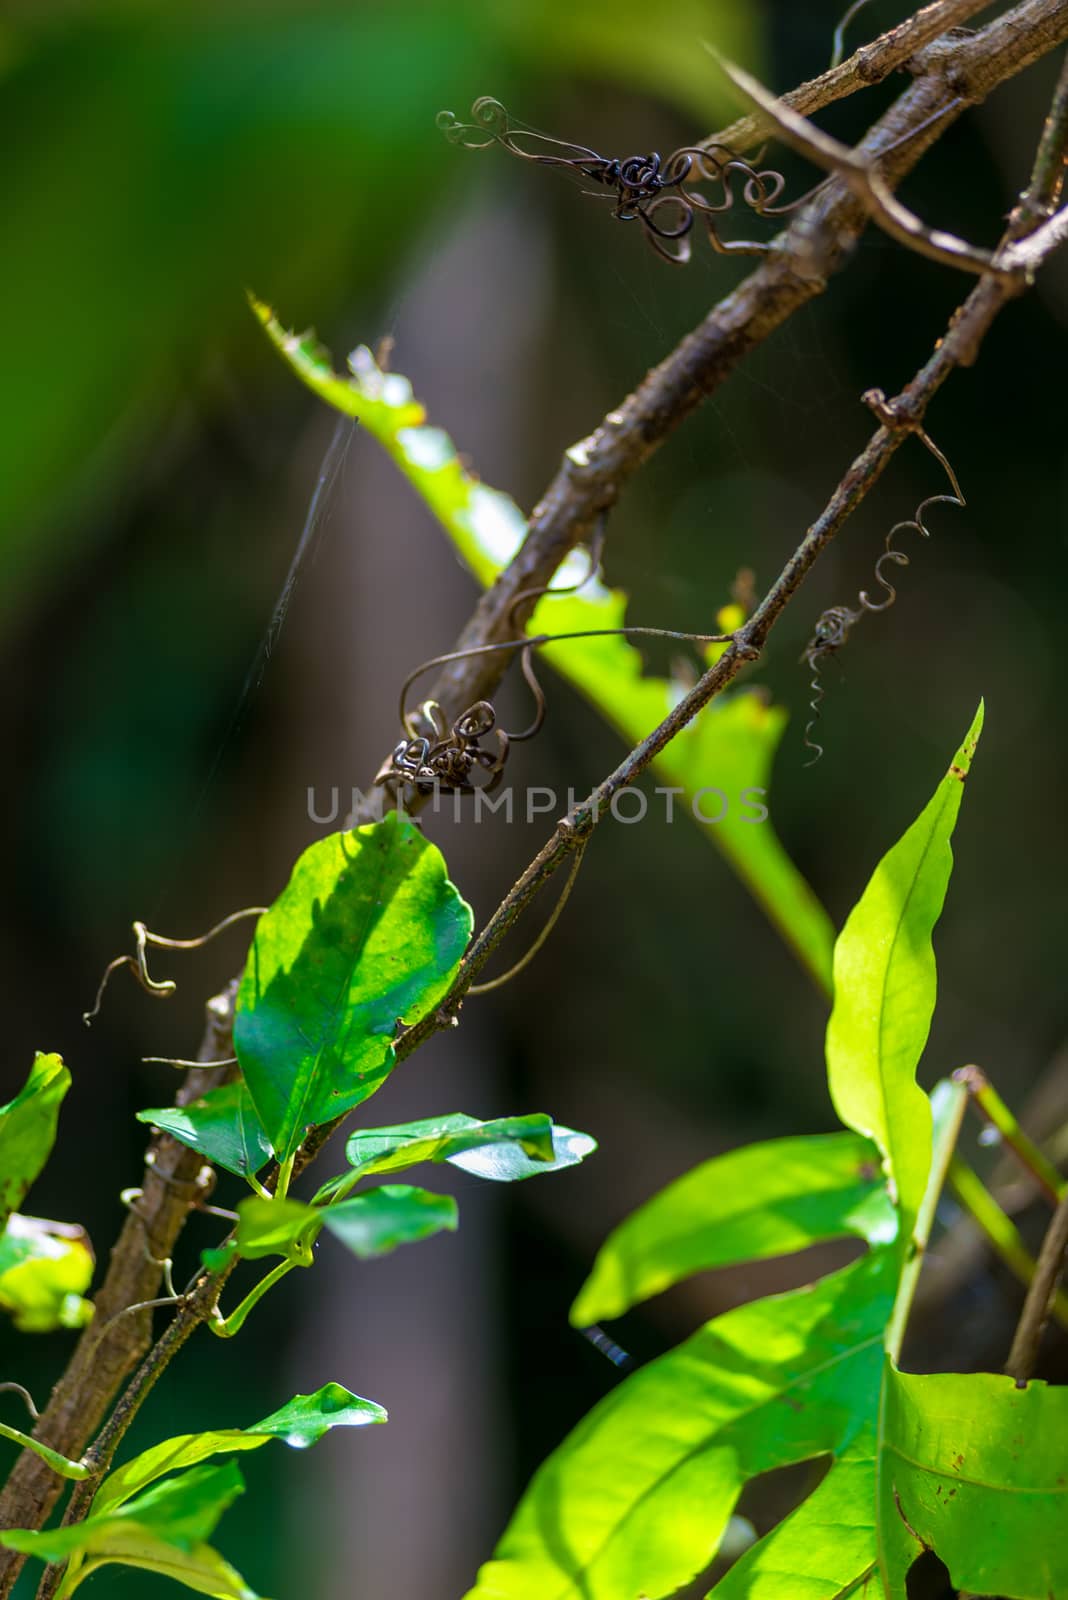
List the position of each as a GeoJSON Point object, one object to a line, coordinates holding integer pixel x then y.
{"type": "Point", "coordinates": [156, 461]}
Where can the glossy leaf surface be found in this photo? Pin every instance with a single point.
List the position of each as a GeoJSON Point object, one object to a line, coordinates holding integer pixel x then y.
{"type": "Point", "coordinates": [223, 1125]}
{"type": "Point", "coordinates": [299, 1423]}
{"type": "Point", "coordinates": [373, 1151]}
{"type": "Point", "coordinates": [368, 934]}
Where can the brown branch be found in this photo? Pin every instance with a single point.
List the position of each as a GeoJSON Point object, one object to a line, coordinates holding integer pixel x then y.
{"type": "Point", "coordinates": [1039, 1301]}
{"type": "Point", "coordinates": [192, 1311]}
{"type": "Point", "coordinates": [817, 243]}
{"type": "Point", "coordinates": [861, 177]}
{"type": "Point", "coordinates": [870, 64]}
{"type": "Point", "coordinates": [113, 1343]}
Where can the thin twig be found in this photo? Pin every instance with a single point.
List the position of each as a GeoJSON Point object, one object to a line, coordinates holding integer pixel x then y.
{"type": "Point", "coordinates": [861, 176]}
{"type": "Point", "coordinates": [992, 1108]}
{"type": "Point", "coordinates": [999, 1230]}
{"type": "Point", "coordinates": [870, 64]}
{"type": "Point", "coordinates": [1039, 1301]}
{"type": "Point", "coordinates": [816, 245]}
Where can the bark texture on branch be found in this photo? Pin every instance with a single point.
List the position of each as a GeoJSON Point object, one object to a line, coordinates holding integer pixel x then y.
{"type": "Point", "coordinates": [109, 1349]}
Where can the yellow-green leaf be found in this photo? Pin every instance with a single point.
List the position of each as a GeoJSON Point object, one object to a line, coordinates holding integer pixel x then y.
{"type": "Point", "coordinates": [884, 991]}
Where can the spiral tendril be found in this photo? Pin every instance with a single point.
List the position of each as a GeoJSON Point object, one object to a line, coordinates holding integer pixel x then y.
{"type": "Point", "coordinates": [655, 191]}
{"type": "Point", "coordinates": [835, 625]}
{"type": "Point", "coordinates": [435, 755]}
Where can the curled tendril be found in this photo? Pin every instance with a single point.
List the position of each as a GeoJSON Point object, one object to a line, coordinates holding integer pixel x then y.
{"type": "Point", "coordinates": [834, 626]}
{"type": "Point", "coordinates": [162, 988]}
{"type": "Point", "coordinates": [658, 192]}
{"type": "Point", "coordinates": [435, 755]}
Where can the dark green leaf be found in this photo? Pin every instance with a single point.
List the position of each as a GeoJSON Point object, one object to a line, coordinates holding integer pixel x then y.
{"type": "Point", "coordinates": [975, 1469]}
{"type": "Point", "coordinates": [28, 1130]}
{"type": "Point", "coordinates": [373, 1151]}
{"type": "Point", "coordinates": [377, 1221]}
{"type": "Point", "coordinates": [763, 1200]}
{"type": "Point", "coordinates": [504, 1150]}
{"type": "Point", "coordinates": [884, 991]}
{"type": "Point", "coordinates": [368, 933]}
{"type": "Point", "coordinates": [222, 1125]}
{"type": "Point", "coordinates": [636, 1499]}
{"type": "Point", "coordinates": [276, 1228]}
{"type": "Point", "coordinates": [45, 1269]}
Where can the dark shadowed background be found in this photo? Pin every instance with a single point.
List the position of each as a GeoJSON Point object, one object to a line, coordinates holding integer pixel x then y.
{"type": "Point", "coordinates": [156, 463]}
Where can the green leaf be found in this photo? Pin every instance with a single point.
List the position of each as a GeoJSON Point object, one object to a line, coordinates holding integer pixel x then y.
{"type": "Point", "coordinates": [509, 1163]}
{"type": "Point", "coordinates": [222, 1125]}
{"type": "Point", "coordinates": [378, 1220]}
{"type": "Point", "coordinates": [307, 1417]}
{"type": "Point", "coordinates": [28, 1130]}
{"type": "Point", "coordinates": [729, 746]}
{"type": "Point", "coordinates": [763, 1200]}
{"type": "Point", "coordinates": [884, 991]}
{"type": "Point", "coordinates": [183, 1512]}
{"type": "Point", "coordinates": [276, 1228]}
{"type": "Point", "coordinates": [368, 933]}
{"type": "Point", "coordinates": [45, 1269]}
{"type": "Point", "coordinates": [372, 1151]}
{"type": "Point", "coordinates": [218, 1258]}
{"type": "Point", "coordinates": [300, 1423]}
{"type": "Point", "coordinates": [974, 1468]}
{"type": "Point", "coordinates": [638, 1496]}
{"type": "Point", "coordinates": [825, 1550]}
{"type": "Point", "coordinates": [163, 1531]}
{"type": "Point", "coordinates": [202, 1568]}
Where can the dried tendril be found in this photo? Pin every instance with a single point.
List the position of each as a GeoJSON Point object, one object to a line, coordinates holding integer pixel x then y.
{"type": "Point", "coordinates": [835, 625]}
{"type": "Point", "coordinates": [655, 191]}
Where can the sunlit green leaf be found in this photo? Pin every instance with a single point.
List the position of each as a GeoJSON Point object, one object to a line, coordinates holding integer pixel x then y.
{"type": "Point", "coordinates": [884, 990]}
{"type": "Point", "coordinates": [368, 933]}
{"type": "Point", "coordinates": [301, 1422]}
{"type": "Point", "coordinates": [372, 1151]}
{"type": "Point", "coordinates": [28, 1129]}
{"type": "Point", "coordinates": [726, 751]}
{"type": "Point", "coordinates": [636, 1499]}
{"type": "Point", "coordinates": [222, 1125]}
{"type": "Point", "coordinates": [825, 1550]}
{"type": "Point", "coordinates": [975, 1469]}
{"type": "Point", "coordinates": [763, 1200]}
{"type": "Point", "coordinates": [378, 1220]}
{"type": "Point", "coordinates": [45, 1269]}
{"type": "Point", "coordinates": [276, 1228]}
{"type": "Point", "coordinates": [202, 1568]}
